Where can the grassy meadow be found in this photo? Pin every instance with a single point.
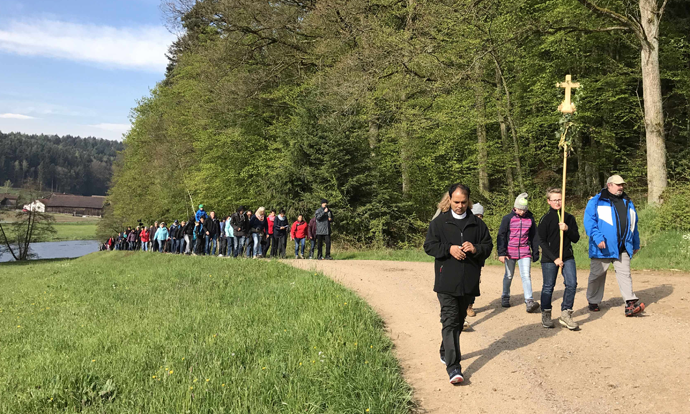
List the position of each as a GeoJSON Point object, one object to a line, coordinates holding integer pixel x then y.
{"type": "Point", "coordinates": [134, 332]}
{"type": "Point", "coordinates": [67, 227]}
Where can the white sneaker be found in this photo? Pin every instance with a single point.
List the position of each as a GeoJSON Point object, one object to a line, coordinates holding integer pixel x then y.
{"type": "Point", "coordinates": [466, 324]}
{"type": "Point", "coordinates": [220, 255]}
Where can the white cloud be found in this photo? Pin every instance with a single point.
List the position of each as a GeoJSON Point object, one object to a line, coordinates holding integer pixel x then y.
{"type": "Point", "coordinates": [15, 116]}
{"type": "Point", "coordinates": [113, 127]}
{"type": "Point", "coordinates": [141, 48]}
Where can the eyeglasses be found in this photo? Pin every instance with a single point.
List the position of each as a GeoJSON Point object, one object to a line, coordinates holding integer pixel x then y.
{"type": "Point", "coordinates": [555, 201]}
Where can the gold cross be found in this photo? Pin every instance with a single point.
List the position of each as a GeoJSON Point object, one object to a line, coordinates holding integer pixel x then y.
{"type": "Point", "coordinates": [566, 106]}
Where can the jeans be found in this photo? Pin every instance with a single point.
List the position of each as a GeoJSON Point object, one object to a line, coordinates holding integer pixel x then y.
{"type": "Point", "coordinates": [211, 244]}
{"type": "Point", "coordinates": [311, 250]}
{"type": "Point", "coordinates": [550, 272]}
{"type": "Point", "coordinates": [299, 243]}
{"type": "Point", "coordinates": [222, 244]}
{"type": "Point", "coordinates": [231, 247]}
{"type": "Point", "coordinates": [239, 244]}
{"type": "Point", "coordinates": [132, 245]}
{"type": "Point", "coordinates": [144, 246]}
{"type": "Point", "coordinates": [256, 237]}
{"type": "Point", "coordinates": [249, 249]}
{"type": "Point", "coordinates": [524, 265]}
{"type": "Point", "coordinates": [174, 246]}
{"type": "Point", "coordinates": [320, 239]}
{"type": "Point", "coordinates": [161, 246]}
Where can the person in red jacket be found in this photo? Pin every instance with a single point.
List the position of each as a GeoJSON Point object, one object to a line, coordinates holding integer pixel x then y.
{"type": "Point", "coordinates": [298, 233]}
{"type": "Point", "coordinates": [311, 234]}
{"type": "Point", "coordinates": [271, 218]}
{"type": "Point", "coordinates": [144, 236]}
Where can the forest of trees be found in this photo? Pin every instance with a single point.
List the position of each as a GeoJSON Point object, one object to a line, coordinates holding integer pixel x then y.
{"type": "Point", "coordinates": [66, 164]}
{"type": "Point", "coordinates": [379, 105]}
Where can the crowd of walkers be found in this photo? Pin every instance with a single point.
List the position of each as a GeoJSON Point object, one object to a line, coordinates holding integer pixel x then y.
{"type": "Point", "coordinates": [460, 242]}
{"type": "Point", "coordinates": [242, 234]}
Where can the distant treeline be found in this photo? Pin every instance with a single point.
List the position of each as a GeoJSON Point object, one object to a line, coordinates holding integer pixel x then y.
{"type": "Point", "coordinates": [66, 164]}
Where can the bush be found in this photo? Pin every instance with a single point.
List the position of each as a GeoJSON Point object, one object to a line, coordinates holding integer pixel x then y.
{"type": "Point", "coordinates": [674, 213]}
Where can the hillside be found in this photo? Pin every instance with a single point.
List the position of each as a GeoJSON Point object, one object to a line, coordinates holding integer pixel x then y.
{"type": "Point", "coordinates": [66, 164]}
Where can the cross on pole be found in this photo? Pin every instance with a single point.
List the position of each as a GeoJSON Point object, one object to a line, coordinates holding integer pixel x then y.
{"type": "Point", "coordinates": [566, 106]}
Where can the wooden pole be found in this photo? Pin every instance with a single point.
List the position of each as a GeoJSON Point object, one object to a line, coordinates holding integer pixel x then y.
{"type": "Point", "coordinates": [565, 165]}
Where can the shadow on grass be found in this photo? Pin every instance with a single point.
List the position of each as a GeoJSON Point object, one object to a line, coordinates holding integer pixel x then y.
{"type": "Point", "coordinates": [526, 335]}
{"type": "Point", "coordinates": [35, 261]}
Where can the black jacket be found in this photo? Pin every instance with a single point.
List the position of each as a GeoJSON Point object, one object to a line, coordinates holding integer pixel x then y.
{"type": "Point", "coordinates": [240, 224]}
{"type": "Point", "coordinates": [550, 236]}
{"type": "Point", "coordinates": [188, 228]}
{"type": "Point", "coordinates": [258, 226]}
{"type": "Point", "coordinates": [212, 226]}
{"type": "Point", "coordinates": [457, 277]}
{"type": "Point", "coordinates": [277, 224]}
{"type": "Point", "coordinates": [175, 231]}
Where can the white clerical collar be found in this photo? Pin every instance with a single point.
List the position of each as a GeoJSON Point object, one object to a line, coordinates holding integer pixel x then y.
{"type": "Point", "coordinates": [458, 216]}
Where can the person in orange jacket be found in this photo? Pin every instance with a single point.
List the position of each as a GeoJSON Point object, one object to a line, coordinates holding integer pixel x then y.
{"type": "Point", "coordinates": [298, 233]}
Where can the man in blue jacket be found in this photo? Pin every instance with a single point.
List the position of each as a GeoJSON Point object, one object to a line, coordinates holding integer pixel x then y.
{"type": "Point", "coordinates": [611, 224]}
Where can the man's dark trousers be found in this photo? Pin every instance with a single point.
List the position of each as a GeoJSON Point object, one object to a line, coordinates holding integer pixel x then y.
{"type": "Point", "coordinates": [320, 239]}
{"type": "Point", "coordinates": [453, 313]}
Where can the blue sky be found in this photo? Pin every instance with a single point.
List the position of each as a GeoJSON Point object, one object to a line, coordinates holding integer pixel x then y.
{"type": "Point", "coordinates": [77, 67]}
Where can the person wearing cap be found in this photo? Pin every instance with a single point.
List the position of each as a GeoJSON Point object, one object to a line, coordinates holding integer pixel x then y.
{"type": "Point", "coordinates": [324, 219]}
{"type": "Point", "coordinates": [460, 244]}
{"type": "Point", "coordinates": [200, 213]}
{"type": "Point", "coordinates": [517, 244]}
{"type": "Point", "coordinates": [549, 232]}
{"type": "Point", "coordinates": [611, 224]}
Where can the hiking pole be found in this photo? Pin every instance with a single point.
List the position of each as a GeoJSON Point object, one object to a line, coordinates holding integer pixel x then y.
{"type": "Point", "coordinates": [566, 133]}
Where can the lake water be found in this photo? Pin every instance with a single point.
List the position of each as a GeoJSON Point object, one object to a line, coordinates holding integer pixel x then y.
{"type": "Point", "coordinates": [59, 250]}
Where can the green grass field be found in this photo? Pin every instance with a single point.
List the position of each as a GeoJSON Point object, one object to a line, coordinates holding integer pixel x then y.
{"type": "Point", "coordinates": [660, 251]}
{"type": "Point", "coordinates": [74, 231]}
{"type": "Point", "coordinates": [134, 332]}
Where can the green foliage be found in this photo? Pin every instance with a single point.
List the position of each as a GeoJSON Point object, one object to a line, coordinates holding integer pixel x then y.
{"type": "Point", "coordinates": [140, 332]}
{"type": "Point", "coordinates": [378, 107]}
{"type": "Point", "coordinates": [65, 164]}
{"type": "Point", "coordinates": [674, 213]}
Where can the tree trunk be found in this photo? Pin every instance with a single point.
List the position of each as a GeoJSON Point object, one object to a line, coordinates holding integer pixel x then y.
{"type": "Point", "coordinates": [513, 130]}
{"type": "Point", "coordinates": [653, 110]}
{"type": "Point", "coordinates": [482, 155]}
{"type": "Point", "coordinates": [504, 134]}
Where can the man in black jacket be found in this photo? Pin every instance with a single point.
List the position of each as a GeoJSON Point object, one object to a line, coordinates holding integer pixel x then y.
{"type": "Point", "coordinates": [549, 231]}
{"type": "Point", "coordinates": [240, 226]}
{"type": "Point", "coordinates": [460, 243]}
{"type": "Point", "coordinates": [212, 226]}
{"type": "Point", "coordinates": [188, 234]}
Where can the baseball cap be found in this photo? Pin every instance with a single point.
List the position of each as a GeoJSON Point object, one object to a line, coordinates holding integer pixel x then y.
{"type": "Point", "coordinates": [201, 206]}
{"type": "Point", "coordinates": [615, 179]}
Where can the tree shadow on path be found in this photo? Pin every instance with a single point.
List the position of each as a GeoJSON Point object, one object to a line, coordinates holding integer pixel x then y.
{"type": "Point", "coordinates": [528, 334]}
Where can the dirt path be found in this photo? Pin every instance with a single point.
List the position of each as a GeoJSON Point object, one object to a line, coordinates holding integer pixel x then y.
{"type": "Point", "coordinates": [512, 364]}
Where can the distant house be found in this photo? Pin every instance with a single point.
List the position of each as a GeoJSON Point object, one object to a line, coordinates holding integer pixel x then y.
{"type": "Point", "coordinates": [74, 204]}
{"type": "Point", "coordinates": [38, 205]}
{"type": "Point", "coordinates": [8, 201]}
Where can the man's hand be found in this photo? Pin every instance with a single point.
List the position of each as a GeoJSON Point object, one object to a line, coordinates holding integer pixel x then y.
{"type": "Point", "coordinates": [602, 245]}
{"type": "Point", "coordinates": [468, 247]}
{"type": "Point", "coordinates": [563, 226]}
{"type": "Point", "coordinates": [558, 262]}
{"type": "Point", "coordinates": [502, 259]}
{"type": "Point", "coordinates": [208, 234]}
{"type": "Point", "coordinates": [456, 252]}
{"type": "Point", "coordinates": [325, 209]}
{"type": "Point", "coordinates": [635, 251]}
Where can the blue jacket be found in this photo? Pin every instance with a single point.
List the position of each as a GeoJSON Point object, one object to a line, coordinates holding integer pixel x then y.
{"type": "Point", "coordinates": [601, 225]}
{"type": "Point", "coordinates": [199, 214]}
{"type": "Point", "coordinates": [161, 234]}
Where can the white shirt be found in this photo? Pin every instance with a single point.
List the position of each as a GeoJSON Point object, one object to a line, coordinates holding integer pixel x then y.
{"type": "Point", "coordinates": [458, 216]}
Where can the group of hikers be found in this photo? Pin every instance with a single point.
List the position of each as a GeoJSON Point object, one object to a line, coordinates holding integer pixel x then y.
{"type": "Point", "coordinates": [460, 242]}
{"type": "Point", "coordinates": [242, 234]}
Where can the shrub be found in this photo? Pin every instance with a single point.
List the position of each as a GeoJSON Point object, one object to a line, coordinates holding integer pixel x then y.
{"type": "Point", "coordinates": [674, 213]}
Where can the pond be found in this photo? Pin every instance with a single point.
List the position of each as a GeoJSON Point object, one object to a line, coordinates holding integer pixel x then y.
{"type": "Point", "coordinates": [58, 250]}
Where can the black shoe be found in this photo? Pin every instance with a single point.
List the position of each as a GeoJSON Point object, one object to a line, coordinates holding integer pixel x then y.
{"type": "Point", "coordinates": [329, 258]}
{"type": "Point", "coordinates": [443, 359]}
{"type": "Point", "coordinates": [456, 376]}
{"type": "Point", "coordinates": [593, 307]}
{"type": "Point", "coordinates": [505, 302]}
{"type": "Point", "coordinates": [319, 258]}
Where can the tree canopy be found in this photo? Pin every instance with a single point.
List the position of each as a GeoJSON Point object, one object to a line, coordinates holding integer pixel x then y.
{"type": "Point", "coordinates": [379, 105]}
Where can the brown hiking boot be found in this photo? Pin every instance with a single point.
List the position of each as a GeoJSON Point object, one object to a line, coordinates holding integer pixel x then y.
{"type": "Point", "coordinates": [470, 312]}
